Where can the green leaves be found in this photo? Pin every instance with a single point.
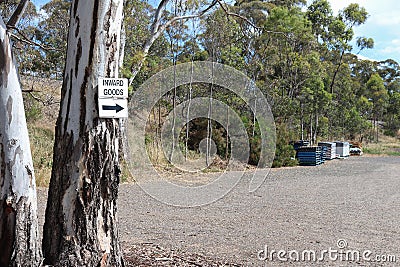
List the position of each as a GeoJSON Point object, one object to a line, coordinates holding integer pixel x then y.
{"type": "Point", "coordinates": [378, 95]}
{"type": "Point", "coordinates": [354, 15]}
{"type": "Point", "coordinates": [301, 59]}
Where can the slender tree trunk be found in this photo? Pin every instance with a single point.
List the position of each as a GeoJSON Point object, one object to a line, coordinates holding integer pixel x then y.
{"type": "Point", "coordinates": [19, 244]}
{"type": "Point", "coordinates": [209, 122]}
{"type": "Point", "coordinates": [336, 71]}
{"type": "Point", "coordinates": [81, 216]}
{"type": "Point", "coordinates": [311, 130]}
{"type": "Point", "coordinates": [173, 114]}
{"type": "Point", "coordinates": [158, 131]}
{"type": "Point", "coordinates": [123, 122]}
{"type": "Point", "coordinates": [190, 95]}
{"type": "Point", "coordinates": [316, 127]}
{"type": "Point", "coordinates": [227, 134]}
{"type": "Point", "coordinates": [302, 122]}
{"type": "Point", "coordinates": [254, 117]}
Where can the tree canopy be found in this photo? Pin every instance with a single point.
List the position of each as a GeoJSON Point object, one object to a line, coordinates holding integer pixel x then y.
{"type": "Point", "coordinates": [303, 58]}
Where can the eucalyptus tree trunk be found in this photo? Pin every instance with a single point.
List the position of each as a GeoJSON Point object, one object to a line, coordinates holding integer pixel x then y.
{"type": "Point", "coordinates": [19, 244]}
{"type": "Point", "coordinates": [81, 216]}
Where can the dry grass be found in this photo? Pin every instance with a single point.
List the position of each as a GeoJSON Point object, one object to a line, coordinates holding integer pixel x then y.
{"type": "Point", "coordinates": [387, 146]}
{"type": "Point", "coordinates": [42, 140]}
{"type": "Point", "coordinates": [41, 99]}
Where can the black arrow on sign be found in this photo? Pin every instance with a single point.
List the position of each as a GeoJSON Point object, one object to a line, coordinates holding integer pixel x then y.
{"type": "Point", "coordinates": [117, 108]}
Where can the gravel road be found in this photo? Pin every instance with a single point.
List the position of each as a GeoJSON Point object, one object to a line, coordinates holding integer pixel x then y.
{"type": "Point", "coordinates": [355, 200]}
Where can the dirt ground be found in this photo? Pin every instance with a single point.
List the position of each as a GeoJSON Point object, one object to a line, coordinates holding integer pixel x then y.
{"type": "Point", "coordinates": [349, 205]}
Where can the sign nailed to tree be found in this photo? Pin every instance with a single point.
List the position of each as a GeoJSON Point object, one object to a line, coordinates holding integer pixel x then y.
{"type": "Point", "coordinates": [113, 98]}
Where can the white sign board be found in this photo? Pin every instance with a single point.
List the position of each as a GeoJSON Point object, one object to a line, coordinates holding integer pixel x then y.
{"type": "Point", "coordinates": [113, 88]}
{"type": "Point", "coordinates": [113, 98]}
{"type": "Point", "coordinates": [113, 108]}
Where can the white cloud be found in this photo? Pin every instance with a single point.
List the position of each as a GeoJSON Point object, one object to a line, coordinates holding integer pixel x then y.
{"type": "Point", "coordinates": [390, 18]}
{"type": "Point", "coordinates": [387, 14]}
{"type": "Point", "coordinates": [396, 42]}
{"type": "Point", "coordinates": [380, 12]}
{"type": "Point", "coordinates": [392, 48]}
{"type": "Point", "coordinates": [383, 25]}
{"type": "Point", "coordinates": [373, 7]}
{"type": "Point", "coordinates": [365, 58]}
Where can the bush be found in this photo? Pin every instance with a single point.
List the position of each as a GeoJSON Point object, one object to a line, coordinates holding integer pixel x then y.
{"type": "Point", "coordinates": [284, 153]}
{"type": "Point", "coordinates": [33, 109]}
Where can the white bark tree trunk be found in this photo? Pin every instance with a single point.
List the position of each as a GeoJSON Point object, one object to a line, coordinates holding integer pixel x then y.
{"type": "Point", "coordinates": [81, 216]}
{"type": "Point", "coordinates": [19, 244]}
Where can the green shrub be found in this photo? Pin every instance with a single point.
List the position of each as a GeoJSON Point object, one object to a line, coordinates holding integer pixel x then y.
{"type": "Point", "coordinates": [284, 153]}
{"type": "Point", "coordinates": [33, 109]}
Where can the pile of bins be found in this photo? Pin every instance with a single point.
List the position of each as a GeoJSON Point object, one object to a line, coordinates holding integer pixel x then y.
{"type": "Point", "coordinates": [310, 155]}
{"type": "Point", "coordinates": [330, 149]}
{"type": "Point", "coordinates": [316, 155]}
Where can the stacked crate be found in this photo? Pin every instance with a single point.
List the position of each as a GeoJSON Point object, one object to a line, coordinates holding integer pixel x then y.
{"type": "Point", "coordinates": [330, 149]}
{"type": "Point", "coordinates": [324, 152]}
{"type": "Point", "coordinates": [310, 156]}
{"type": "Point", "coordinates": [343, 149]}
{"type": "Point", "coordinates": [300, 143]}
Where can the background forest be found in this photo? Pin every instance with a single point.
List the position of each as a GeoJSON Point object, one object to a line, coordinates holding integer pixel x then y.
{"type": "Point", "coordinates": [301, 57]}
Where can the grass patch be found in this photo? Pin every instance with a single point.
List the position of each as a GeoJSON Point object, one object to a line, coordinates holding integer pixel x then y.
{"type": "Point", "coordinates": [394, 153]}
{"type": "Point", "coordinates": [42, 141]}
{"type": "Point", "coordinates": [126, 176]}
{"type": "Point", "coordinates": [388, 146]}
{"type": "Point", "coordinates": [372, 151]}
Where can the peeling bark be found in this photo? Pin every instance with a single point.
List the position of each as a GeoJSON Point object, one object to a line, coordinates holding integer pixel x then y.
{"type": "Point", "coordinates": [18, 218]}
{"type": "Point", "coordinates": [81, 215]}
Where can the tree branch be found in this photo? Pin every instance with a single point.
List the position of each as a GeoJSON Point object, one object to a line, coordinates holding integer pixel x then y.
{"type": "Point", "coordinates": [28, 41]}
{"type": "Point", "coordinates": [227, 12]}
{"type": "Point", "coordinates": [157, 29]}
{"type": "Point", "coordinates": [186, 17]}
{"type": "Point", "coordinates": [16, 16]}
{"type": "Point", "coordinates": [232, 14]}
{"type": "Point", "coordinates": [45, 103]}
{"type": "Point", "coordinates": [158, 16]}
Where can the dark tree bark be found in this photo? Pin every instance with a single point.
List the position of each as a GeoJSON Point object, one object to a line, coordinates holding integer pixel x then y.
{"type": "Point", "coordinates": [81, 216]}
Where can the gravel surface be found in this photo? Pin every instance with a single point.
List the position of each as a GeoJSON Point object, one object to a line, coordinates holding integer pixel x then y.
{"type": "Point", "coordinates": [296, 209]}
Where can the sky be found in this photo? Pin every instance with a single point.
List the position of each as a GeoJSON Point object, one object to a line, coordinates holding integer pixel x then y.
{"type": "Point", "coordinates": [39, 2]}
{"type": "Point", "coordinates": [383, 25]}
